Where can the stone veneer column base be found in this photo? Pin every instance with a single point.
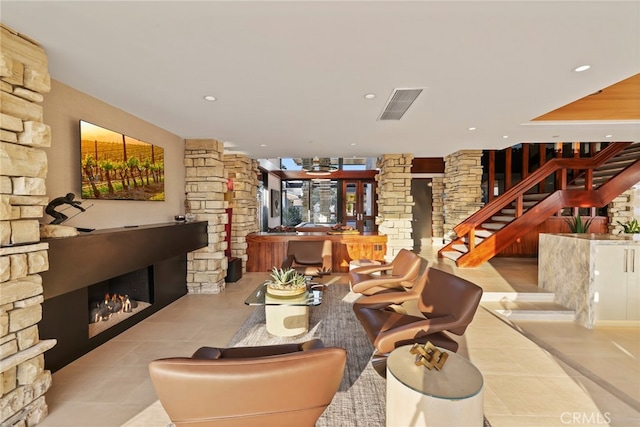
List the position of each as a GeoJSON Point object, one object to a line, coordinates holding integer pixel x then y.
{"type": "Point", "coordinates": [395, 202]}
{"type": "Point", "coordinates": [206, 183]}
{"type": "Point", "coordinates": [24, 77]}
{"type": "Point", "coordinates": [243, 200]}
{"type": "Point", "coordinates": [462, 188]}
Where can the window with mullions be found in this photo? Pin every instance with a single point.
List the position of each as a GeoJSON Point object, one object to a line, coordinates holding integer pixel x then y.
{"type": "Point", "coordinates": [313, 201]}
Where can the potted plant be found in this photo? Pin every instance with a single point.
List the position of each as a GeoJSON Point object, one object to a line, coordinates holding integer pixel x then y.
{"type": "Point", "coordinates": [286, 282]}
{"type": "Point", "coordinates": [577, 226]}
{"type": "Point", "coordinates": [630, 227]}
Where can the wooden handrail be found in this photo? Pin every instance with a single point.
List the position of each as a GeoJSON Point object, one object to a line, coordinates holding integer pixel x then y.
{"type": "Point", "coordinates": [545, 208]}
{"type": "Point", "coordinates": [533, 179]}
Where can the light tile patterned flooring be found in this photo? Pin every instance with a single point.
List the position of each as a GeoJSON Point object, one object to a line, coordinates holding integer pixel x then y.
{"type": "Point", "coordinates": [537, 373]}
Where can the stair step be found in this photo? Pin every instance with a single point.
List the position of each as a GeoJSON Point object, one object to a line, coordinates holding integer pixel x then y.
{"type": "Point", "coordinates": [540, 296]}
{"type": "Point", "coordinates": [493, 225]}
{"type": "Point", "coordinates": [511, 211]}
{"type": "Point", "coordinates": [502, 218]}
{"type": "Point", "coordinates": [460, 247]}
{"type": "Point", "coordinates": [483, 233]}
{"type": "Point", "coordinates": [452, 255]}
{"type": "Point", "coordinates": [519, 310]}
{"type": "Point", "coordinates": [608, 172]}
{"type": "Point", "coordinates": [477, 240]}
{"type": "Point", "coordinates": [534, 196]}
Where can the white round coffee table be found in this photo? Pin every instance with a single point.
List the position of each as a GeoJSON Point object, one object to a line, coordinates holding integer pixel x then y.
{"type": "Point", "coordinates": [417, 396]}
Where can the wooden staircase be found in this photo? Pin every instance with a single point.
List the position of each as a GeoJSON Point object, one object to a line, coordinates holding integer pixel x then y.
{"type": "Point", "coordinates": [598, 180]}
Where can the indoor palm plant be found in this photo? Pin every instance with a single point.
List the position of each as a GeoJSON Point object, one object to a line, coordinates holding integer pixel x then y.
{"type": "Point", "coordinates": [286, 282]}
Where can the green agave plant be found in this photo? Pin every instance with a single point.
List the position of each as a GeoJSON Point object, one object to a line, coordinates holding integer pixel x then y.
{"type": "Point", "coordinates": [286, 279]}
{"type": "Point", "coordinates": [630, 227]}
{"type": "Point", "coordinates": [577, 226]}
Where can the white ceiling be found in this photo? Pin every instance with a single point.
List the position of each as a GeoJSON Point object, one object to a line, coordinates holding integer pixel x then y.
{"type": "Point", "coordinates": [292, 75]}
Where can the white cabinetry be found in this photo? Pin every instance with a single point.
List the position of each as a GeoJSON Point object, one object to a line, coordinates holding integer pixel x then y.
{"type": "Point", "coordinates": [616, 282]}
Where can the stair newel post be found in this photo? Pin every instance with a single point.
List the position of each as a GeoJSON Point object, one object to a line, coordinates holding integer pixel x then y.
{"type": "Point", "coordinates": [472, 239]}
{"type": "Point", "coordinates": [562, 179]}
{"type": "Point", "coordinates": [588, 179]}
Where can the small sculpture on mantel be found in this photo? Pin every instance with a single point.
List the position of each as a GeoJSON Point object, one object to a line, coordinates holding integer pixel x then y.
{"type": "Point", "coordinates": [59, 217]}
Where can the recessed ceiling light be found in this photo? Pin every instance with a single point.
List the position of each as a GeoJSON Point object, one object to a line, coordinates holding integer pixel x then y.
{"type": "Point", "coordinates": [582, 68]}
{"type": "Point", "coordinates": [505, 136]}
{"type": "Point", "coordinates": [370, 96]}
{"type": "Point", "coordinates": [608, 136]}
{"type": "Point", "coordinates": [209, 98]}
{"type": "Point", "coordinates": [263, 145]}
{"type": "Point", "coordinates": [353, 143]}
{"type": "Point", "coordinates": [472, 128]}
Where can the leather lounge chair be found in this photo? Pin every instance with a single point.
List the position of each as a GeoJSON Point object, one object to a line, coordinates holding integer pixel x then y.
{"type": "Point", "coordinates": [309, 257]}
{"type": "Point", "coordinates": [278, 385]}
{"type": "Point", "coordinates": [399, 274]}
{"type": "Point", "coordinates": [438, 304]}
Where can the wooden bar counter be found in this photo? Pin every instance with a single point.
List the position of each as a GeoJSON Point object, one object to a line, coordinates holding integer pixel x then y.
{"type": "Point", "coordinates": [268, 250]}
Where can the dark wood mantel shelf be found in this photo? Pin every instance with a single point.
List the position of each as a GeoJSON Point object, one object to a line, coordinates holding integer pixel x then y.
{"type": "Point", "coordinates": [78, 263]}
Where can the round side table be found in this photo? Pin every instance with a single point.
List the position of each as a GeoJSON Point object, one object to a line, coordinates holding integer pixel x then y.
{"type": "Point", "coordinates": [417, 396]}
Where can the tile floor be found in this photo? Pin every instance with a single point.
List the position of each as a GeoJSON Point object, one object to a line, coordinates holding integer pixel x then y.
{"type": "Point", "coordinates": [537, 372]}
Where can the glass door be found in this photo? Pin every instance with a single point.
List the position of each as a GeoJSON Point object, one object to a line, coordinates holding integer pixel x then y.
{"type": "Point", "coordinates": [358, 205]}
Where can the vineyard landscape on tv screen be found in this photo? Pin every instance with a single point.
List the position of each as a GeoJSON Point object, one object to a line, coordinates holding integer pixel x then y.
{"type": "Point", "coordinates": [117, 167]}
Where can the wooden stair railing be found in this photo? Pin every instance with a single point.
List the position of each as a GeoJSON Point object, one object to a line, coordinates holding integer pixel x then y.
{"type": "Point", "coordinates": [476, 254]}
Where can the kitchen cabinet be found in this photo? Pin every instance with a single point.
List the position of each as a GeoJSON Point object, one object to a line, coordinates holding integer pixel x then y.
{"type": "Point", "coordinates": [616, 282]}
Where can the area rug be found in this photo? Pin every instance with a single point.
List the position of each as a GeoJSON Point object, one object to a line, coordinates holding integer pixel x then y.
{"type": "Point", "coordinates": [360, 401]}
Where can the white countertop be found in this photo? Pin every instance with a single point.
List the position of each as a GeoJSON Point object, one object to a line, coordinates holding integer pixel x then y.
{"type": "Point", "coordinates": [612, 238]}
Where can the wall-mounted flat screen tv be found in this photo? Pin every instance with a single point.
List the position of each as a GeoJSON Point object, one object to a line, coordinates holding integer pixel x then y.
{"type": "Point", "coordinates": [117, 167]}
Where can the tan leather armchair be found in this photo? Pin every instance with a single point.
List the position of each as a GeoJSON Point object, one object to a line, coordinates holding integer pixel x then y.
{"type": "Point", "coordinates": [309, 257]}
{"type": "Point", "coordinates": [279, 385]}
{"type": "Point", "coordinates": [400, 273]}
{"type": "Point", "coordinates": [439, 302]}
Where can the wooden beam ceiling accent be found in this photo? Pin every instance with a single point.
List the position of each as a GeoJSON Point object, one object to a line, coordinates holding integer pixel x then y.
{"type": "Point", "coordinates": [620, 101]}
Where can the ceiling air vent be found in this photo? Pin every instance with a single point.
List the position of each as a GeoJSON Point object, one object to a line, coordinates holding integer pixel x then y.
{"type": "Point", "coordinates": [399, 103]}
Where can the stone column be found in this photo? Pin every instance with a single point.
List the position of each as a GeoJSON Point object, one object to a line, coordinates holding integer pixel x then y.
{"type": "Point", "coordinates": [244, 202]}
{"type": "Point", "coordinates": [462, 188]}
{"type": "Point", "coordinates": [24, 77]}
{"type": "Point", "coordinates": [395, 202]}
{"type": "Point", "coordinates": [205, 185]}
{"type": "Point", "coordinates": [623, 208]}
{"type": "Point", "coordinates": [437, 214]}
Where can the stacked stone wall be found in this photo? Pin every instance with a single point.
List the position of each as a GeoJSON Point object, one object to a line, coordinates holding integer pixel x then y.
{"type": "Point", "coordinates": [624, 208]}
{"type": "Point", "coordinates": [205, 185]}
{"type": "Point", "coordinates": [243, 172]}
{"type": "Point", "coordinates": [395, 202]}
{"type": "Point", "coordinates": [24, 78]}
{"type": "Point", "coordinates": [462, 188]}
{"type": "Point", "coordinates": [437, 210]}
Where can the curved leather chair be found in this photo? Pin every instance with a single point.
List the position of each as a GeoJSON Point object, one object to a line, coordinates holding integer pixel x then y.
{"type": "Point", "coordinates": [439, 302]}
{"type": "Point", "coordinates": [309, 257]}
{"type": "Point", "coordinates": [278, 385]}
{"type": "Point", "coordinates": [400, 274]}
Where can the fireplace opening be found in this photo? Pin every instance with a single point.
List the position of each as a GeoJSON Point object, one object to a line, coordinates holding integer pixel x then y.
{"type": "Point", "coordinates": [116, 299]}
